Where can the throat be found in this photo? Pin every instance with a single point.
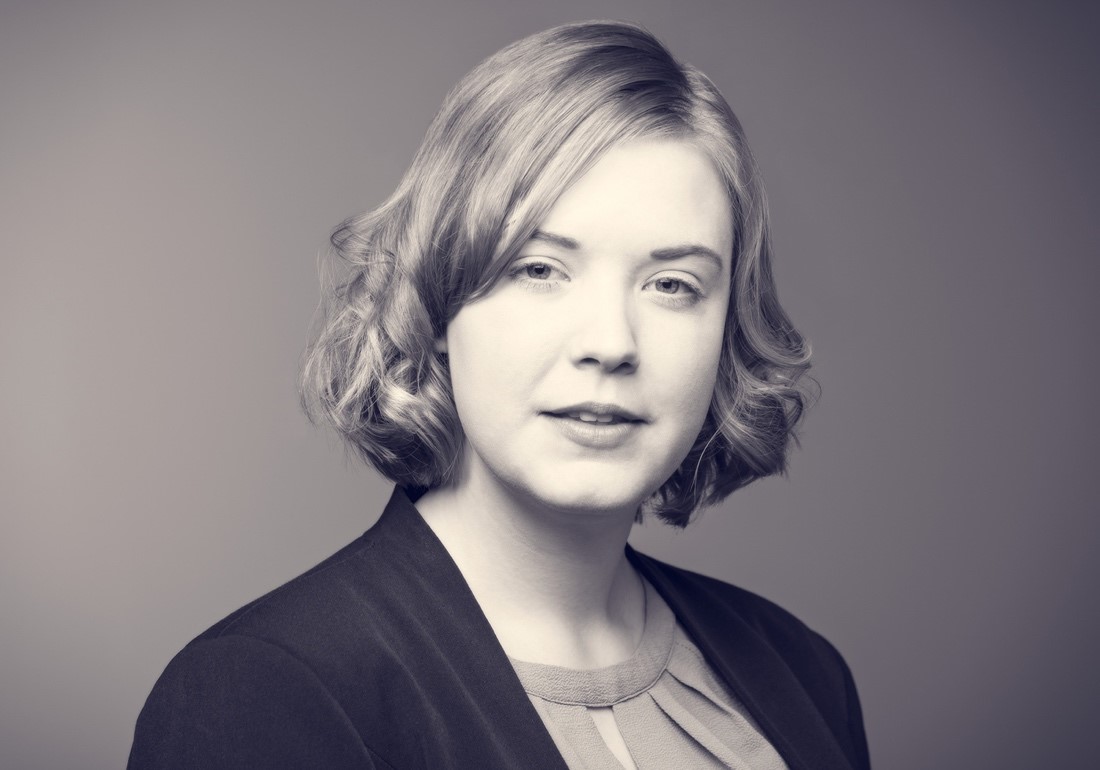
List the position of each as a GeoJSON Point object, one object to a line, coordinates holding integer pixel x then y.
{"type": "Point", "coordinates": [571, 624]}
{"type": "Point", "coordinates": [556, 589]}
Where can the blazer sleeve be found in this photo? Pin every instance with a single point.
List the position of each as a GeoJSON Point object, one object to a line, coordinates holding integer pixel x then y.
{"type": "Point", "coordinates": [236, 701]}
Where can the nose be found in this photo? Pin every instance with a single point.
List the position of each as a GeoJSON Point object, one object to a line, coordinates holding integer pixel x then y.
{"type": "Point", "coordinates": [605, 335]}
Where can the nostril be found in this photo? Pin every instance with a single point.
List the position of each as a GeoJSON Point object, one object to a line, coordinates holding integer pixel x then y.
{"type": "Point", "coordinates": [615, 351]}
{"type": "Point", "coordinates": [609, 363]}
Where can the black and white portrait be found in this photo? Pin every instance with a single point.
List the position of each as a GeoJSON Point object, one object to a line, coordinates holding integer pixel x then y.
{"type": "Point", "coordinates": [525, 385]}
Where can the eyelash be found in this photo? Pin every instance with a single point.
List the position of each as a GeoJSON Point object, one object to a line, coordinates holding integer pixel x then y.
{"type": "Point", "coordinates": [518, 273]}
{"type": "Point", "coordinates": [694, 293]}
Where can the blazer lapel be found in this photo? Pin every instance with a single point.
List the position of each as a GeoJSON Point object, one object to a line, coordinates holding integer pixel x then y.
{"type": "Point", "coordinates": [498, 720]}
{"type": "Point", "coordinates": [752, 668]}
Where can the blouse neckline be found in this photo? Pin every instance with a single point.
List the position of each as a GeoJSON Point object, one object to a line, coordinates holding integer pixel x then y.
{"type": "Point", "coordinates": [601, 687]}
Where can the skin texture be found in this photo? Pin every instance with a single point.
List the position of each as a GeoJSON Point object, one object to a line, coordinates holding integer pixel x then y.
{"type": "Point", "coordinates": [568, 325]}
{"type": "Point", "coordinates": [588, 311]}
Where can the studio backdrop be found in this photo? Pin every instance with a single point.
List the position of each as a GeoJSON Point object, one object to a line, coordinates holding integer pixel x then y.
{"type": "Point", "coordinates": [170, 172]}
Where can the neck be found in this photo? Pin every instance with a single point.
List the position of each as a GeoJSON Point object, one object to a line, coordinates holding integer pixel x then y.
{"type": "Point", "coordinates": [554, 584]}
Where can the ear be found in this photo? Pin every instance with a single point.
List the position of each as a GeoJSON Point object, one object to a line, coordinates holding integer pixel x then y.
{"type": "Point", "coordinates": [440, 344]}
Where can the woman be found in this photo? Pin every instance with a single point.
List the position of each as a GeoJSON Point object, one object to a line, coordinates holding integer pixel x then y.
{"type": "Point", "coordinates": [564, 319]}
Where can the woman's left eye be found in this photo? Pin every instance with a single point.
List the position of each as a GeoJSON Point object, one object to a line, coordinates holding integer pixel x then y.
{"type": "Point", "coordinates": [677, 290]}
{"type": "Point", "coordinates": [668, 285]}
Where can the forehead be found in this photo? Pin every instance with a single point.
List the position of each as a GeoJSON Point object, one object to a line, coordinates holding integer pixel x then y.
{"type": "Point", "coordinates": [644, 195]}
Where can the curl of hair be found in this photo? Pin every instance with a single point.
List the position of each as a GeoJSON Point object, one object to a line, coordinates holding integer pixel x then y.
{"type": "Point", "coordinates": [508, 140]}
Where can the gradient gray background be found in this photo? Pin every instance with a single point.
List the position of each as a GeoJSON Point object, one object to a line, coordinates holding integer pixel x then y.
{"type": "Point", "coordinates": [169, 175]}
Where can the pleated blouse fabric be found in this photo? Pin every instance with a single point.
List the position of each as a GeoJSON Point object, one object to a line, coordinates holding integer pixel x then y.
{"type": "Point", "coordinates": [668, 706]}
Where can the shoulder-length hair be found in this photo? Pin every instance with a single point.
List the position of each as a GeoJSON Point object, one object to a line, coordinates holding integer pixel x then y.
{"type": "Point", "coordinates": [508, 140]}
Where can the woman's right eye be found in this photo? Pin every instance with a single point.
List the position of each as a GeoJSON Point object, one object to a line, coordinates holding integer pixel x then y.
{"type": "Point", "coordinates": [538, 270]}
{"type": "Point", "coordinates": [540, 276]}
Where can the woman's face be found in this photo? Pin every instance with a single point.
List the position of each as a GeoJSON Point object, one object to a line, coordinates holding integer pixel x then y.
{"type": "Point", "coordinates": [583, 377]}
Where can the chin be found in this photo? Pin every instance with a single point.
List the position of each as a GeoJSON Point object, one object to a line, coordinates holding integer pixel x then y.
{"type": "Point", "coordinates": [587, 496]}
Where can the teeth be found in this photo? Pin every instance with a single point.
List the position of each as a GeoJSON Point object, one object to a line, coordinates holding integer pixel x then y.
{"type": "Point", "coordinates": [590, 417]}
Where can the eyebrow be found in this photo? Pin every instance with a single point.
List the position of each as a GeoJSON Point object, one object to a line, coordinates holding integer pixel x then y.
{"type": "Point", "coordinates": [667, 253]}
{"type": "Point", "coordinates": [556, 240]}
{"type": "Point", "coordinates": [688, 250]}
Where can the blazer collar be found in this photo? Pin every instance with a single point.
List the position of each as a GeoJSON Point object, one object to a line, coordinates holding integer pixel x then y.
{"type": "Point", "coordinates": [752, 668]}
{"type": "Point", "coordinates": [499, 715]}
{"type": "Point", "coordinates": [747, 663]}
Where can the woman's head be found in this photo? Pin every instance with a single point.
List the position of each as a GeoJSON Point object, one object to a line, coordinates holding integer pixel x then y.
{"type": "Point", "coordinates": [514, 135]}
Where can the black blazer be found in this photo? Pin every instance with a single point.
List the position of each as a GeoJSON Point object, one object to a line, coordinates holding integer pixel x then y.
{"type": "Point", "coordinates": [380, 657]}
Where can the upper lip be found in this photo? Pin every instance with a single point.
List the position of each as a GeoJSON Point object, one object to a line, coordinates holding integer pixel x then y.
{"type": "Point", "coordinates": [598, 408]}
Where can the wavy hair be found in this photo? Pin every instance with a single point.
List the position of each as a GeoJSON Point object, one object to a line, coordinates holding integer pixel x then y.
{"type": "Point", "coordinates": [509, 139]}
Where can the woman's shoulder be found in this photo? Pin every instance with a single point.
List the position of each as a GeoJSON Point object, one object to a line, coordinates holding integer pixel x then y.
{"type": "Point", "coordinates": [347, 601]}
{"type": "Point", "coordinates": [360, 592]}
{"type": "Point", "coordinates": [792, 676]}
{"type": "Point", "coordinates": [261, 687]}
{"type": "Point", "coordinates": [334, 592]}
{"type": "Point", "coordinates": [293, 673]}
{"type": "Point", "coordinates": [357, 654]}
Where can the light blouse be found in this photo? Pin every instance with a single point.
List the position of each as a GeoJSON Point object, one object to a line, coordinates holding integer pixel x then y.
{"type": "Point", "coordinates": [661, 708]}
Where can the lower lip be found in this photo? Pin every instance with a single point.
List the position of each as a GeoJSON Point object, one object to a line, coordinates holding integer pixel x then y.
{"type": "Point", "coordinates": [595, 435]}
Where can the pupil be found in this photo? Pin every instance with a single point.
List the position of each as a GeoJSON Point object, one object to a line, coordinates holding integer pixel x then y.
{"type": "Point", "coordinates": [668, 285]}
{"type": "Point", "coordinates": [537, 271]}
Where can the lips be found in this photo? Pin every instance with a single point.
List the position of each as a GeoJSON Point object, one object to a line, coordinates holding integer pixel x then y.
{"type": "Point", "coordinates": [597, 413]}
{"type": "Point", "coordinates": [596, 425]}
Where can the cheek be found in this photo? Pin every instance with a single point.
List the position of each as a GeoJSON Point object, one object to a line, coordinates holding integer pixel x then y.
{"type": "Point", "coordinates": [493, 357]}
{"type": "Point", "coordinates": [696, 389]}
{"type": "Point", "coordinates": [687, 360]}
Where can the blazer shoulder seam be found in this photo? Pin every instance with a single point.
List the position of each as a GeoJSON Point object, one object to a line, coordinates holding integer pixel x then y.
{"type": "Point", "coordinates": [320, 569]}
